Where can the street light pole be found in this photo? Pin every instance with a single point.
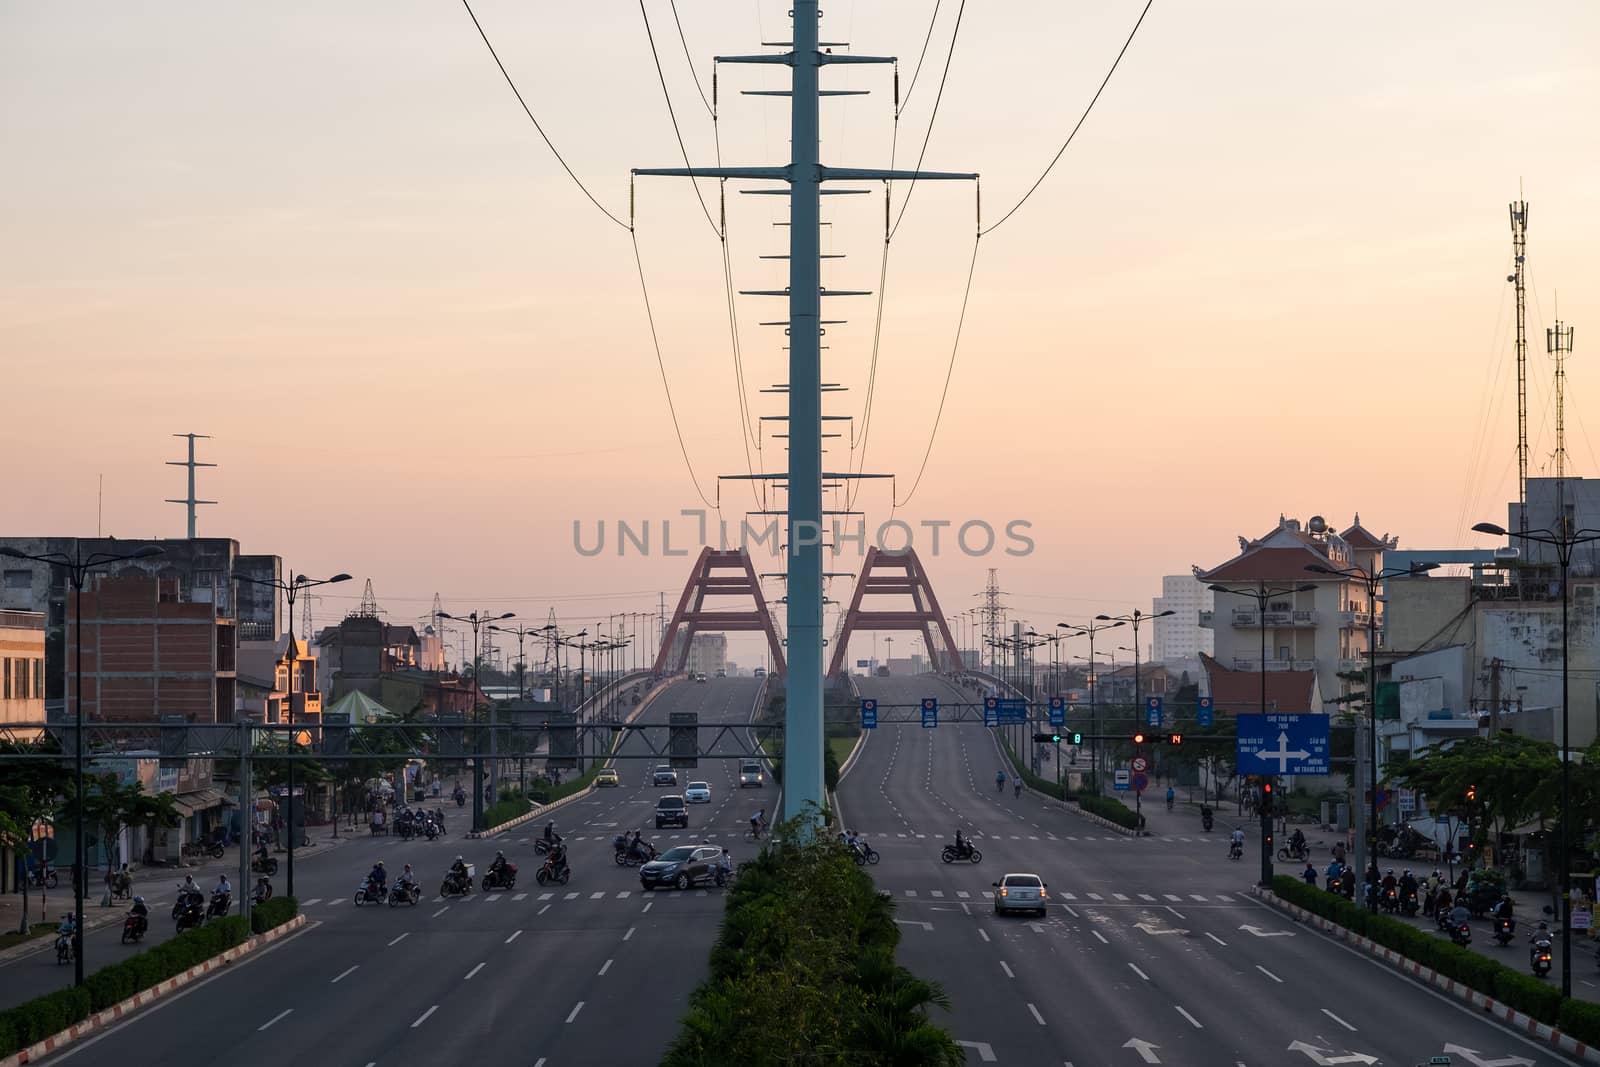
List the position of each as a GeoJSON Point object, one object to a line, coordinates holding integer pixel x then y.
{"type": "Point", "coordinates": [1089, 629]}
{"type": "Point", "coordinates": [477, 622]}
{"type": "Point", "coordinates": [77, 569]}
{"type": "Point", "coordinates": [1135, 618]}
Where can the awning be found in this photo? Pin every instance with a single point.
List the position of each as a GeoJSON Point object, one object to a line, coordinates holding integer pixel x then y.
{"type": "Point", "coordinates": [189, 804]}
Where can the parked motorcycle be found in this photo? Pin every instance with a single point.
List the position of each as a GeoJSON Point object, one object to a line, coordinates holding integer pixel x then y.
{"type": "Point", "coordinates": [966, 852]}
{"type": "Point", "coordinates": [42, 877]}
{"type": "Point", "coordinates": [134, 927]}
{"type": "Point", "coordinates": [504, 878]}
{"type": "Point", "coordinates": [404, 893]}
{"type": "Point", "coordinates": [122, 885]}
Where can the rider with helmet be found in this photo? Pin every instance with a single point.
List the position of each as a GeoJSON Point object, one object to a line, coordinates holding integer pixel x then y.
{"type": "Point", "coordinates": [379, 878]}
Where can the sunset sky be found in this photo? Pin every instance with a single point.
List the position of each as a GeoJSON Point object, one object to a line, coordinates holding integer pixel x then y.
{"type": "Point", "coordinates": [1268, 276]}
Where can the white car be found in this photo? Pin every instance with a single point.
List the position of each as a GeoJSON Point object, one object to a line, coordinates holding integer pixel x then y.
{"type": "Point", "coordinates": [1020, 892]}
{"type": "Point", "coordinates": [697, 793]}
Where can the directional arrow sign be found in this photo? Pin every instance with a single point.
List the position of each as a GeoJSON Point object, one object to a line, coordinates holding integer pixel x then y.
{"type": "Point", "coordinates": [1282, 744]}
{"type": "Point", "coordinates": [1474, 1057]}
{"type": "Point", "coordinates": [1145, 1049]}
{"type": "Point", "coordinates": [1267, 933]}
{"type": "Point", "coordinates": [1155, 929]}
{"type": "Point", "coordinates": [1324, 1056]}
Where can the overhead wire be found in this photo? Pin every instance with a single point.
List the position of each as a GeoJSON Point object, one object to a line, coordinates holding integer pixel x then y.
{"type": "Point", "coordinates": [927, 136]}
{"type": "Point", "coordinates": [685, 42]}
{"type": "Point", "coordinates": [673, 115]}
{"type": "Point", "coordinates": [529, 112]}
{"type": "Point", "coordinates": [1081, 119]}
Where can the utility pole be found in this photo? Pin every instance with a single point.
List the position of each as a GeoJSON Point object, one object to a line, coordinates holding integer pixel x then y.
{"type": "Point", "coordinates": [803, 740]}
{"type": "Point", "coordinates": [191, 463]}
{"type": "Point", "coordinates": [1494, 697]}
{"type": "Point", "coordinates": [1519, 255]}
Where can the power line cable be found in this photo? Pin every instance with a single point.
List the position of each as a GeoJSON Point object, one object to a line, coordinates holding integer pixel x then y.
{"type": "Point", "coordinates": [690, 60]}
{"type": "Point", "coordinates": [928, 135]}
{"type": "Point", "coordinates": [529, 112]}
{"type": "Point", "coordinates": [1104, 82]}
{"type": "Point", "coordinates": [673, 115]}
{"type": "Point", "coordinates": [922, 55]}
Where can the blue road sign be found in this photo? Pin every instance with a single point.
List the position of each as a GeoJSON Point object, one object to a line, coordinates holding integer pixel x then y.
{"type": "Point", "coordinates": [1119, 779]}
{"type": "Point", "coordinates": [1202, 711]}
{"type": "Point", "coordinates": [1058, 711]}
{"type": "Point", "coordinates": [930, 712]}
{"type": "Point", "coordinates": [1282, 744]}
{"type": "Point", "coordinates": [1009, 710]}
{"type": "Point", "coordinates": [869, 713]}
{"type": "Point", "coordinates": [1140, 782]}
{"type": "Point", "coordinates": [1152, 711]}
{"type": "Point", "coordinates": [991, 714]}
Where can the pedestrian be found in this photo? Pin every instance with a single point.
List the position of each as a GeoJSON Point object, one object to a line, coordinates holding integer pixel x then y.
{"type": "Point", "coordinates": [1309, 874]}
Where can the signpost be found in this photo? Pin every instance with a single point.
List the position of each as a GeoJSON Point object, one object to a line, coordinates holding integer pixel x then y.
{"type": "Point", "coordinates": [1282, 744]}
{"type": "Point", "coordinates": [1152, 711]}
{"type": "Point", "coordinates": [1140, 764]}
{"type": "Point", "coordinates": [930, 712]}
{"type": "Point", "coordinates": [1202, 712]}
{"type": "Point", "coordinates": [1120, 779]}
{"type": "Point", "coordinates": [869, 713]}
{"type": "Point", "coordinates": [1058, 711]}
{"type": "Point", "coordinates": [1011, 711]}
{"type": "Point", "coordinates": [1139, 783]}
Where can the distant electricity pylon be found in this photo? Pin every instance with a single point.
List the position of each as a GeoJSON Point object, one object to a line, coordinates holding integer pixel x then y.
{"type": "Point", "coordinates": [190, 500]}
{"type": "Point", "coordinates": [805, 175]}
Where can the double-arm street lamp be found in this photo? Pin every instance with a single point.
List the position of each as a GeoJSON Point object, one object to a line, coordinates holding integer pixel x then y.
{"type": "Point", "coordinates": [478, 621]}
{"type": "Point", "coordinates": [1563, 540]}
{"type": "Point", "coordinates": [1089, 629]}
{"type": "Point", "coordinates": [521, 633]}
{"type": "Point", "coordinates": [76, 567]}
{"type": "Point", "coordinates": [291, 588]}
{"type": "Point", "coordinates": [1367, 858]}
{"type": "Point", "coordinates": [1262, 594]}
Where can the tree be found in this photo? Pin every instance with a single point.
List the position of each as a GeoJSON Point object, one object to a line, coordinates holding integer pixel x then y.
{"type": "Point", "coordinates": [109, 806]}
{"type": "Point", "coordinates": [1498, 782]}
{"type": "Point", "coordinates": [29, 796]}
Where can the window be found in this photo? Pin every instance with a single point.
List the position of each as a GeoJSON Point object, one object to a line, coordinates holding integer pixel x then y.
{"type": "Point", "coordinates": [38, 679]}
{"type": "Point", "coordinates": [19, 580]}
{"type": "Point", "coordinates": [6, 691]}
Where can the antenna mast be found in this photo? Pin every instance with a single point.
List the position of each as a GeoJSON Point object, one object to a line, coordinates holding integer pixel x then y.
{"type": "Point", "coordinates": [368, 608]}
{"type": "Point", "coordinates": [1519, 255]}
{"type": "Point", "coordinates": [190, 500]}
{"type": "Point", "coordinates": [1558, 341]}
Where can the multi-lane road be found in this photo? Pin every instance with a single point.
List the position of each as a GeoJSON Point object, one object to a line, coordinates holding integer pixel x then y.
{"type": "Point", "coordinates": [596, 971]}
{"type": "Point", "coordinates": [1152, 949]}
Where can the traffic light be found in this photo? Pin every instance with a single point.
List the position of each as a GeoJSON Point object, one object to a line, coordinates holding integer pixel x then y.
{"type": "Point", "coordinates": [1045, 739]}
{"type": "Point", "coordinates": [1076, 737]}
{"type": "Point", "coordinates": [1138, 738]}
{"type": "Point", "coordinates": [1472, 792]}
{"type": "Point", "coordinates": [1175, 739]}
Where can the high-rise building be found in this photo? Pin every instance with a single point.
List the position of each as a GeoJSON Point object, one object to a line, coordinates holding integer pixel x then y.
{"type": "Point", "coordinates": [1179, 639]}
{"type": "Point", "coordinates": [708, 653]}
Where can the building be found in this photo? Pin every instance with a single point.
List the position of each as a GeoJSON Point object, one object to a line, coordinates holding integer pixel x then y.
{"type": "Point", "coordinates": [708, 653]}
{"type": "Point", "coordinates": [149, 653]}
{"type": "Point", "coordinates": [1116, 686]}
{"type": "Point", "coordinates": [264, 669]}
{"type": "Point", "coordinates": [1180, 640]}
{"type": "Point", "coordinates": [1323, 628]}
{"type": "Point", "coordinates": [21, 666]}
{"type": "Point", "coordinates": [201, 569]}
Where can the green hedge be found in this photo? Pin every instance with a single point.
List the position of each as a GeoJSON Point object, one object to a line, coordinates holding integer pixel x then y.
{"type": "Point", "coordinates": [1522, 992]}
{"type": "Point", "coordinates": [34, 1020]}
{"type": "Point", "coordinates": [804, 972]}
{"type": "Point", "coordinates": [1031, 780]}
{"type": "Point", "coordinates": [1107, 808]}
{"type": "Point", "coordinates": [506, 810]}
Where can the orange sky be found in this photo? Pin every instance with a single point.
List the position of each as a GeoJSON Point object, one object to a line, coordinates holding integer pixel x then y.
{"type": "Point", "coordinates": [1268, 276]}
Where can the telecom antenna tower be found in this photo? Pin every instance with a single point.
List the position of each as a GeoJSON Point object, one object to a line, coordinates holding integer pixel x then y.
{"type": "Point", "coordinates": [1519, 255]}
{"type": "Point", "coordinates": [368, 608]}
{"type": "Point", "coordinates": [1558, 341]}
{"type": "Point", "coordinates": [190, 500]}
{"type": "Point", "coordinates": [805, 174]}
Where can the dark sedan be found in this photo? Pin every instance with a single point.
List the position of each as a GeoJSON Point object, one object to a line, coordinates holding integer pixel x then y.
{"type": "Point", "coordinates": [681, 867]}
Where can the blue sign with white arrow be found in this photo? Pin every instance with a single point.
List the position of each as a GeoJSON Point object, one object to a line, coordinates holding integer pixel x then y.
{"type": "Point", "coordinates": [1152, 711]}
{"type": "Point", "coordinates": [1058, 711]}
{"type": "Point", "coordinates": [1202, 711]}
{"type": "Point", "coordinates": [869, 713]}
{"type": "Point", "coordinates": [1010, 710]}
{"type": "Point", "coordinates": [1282, 744]}
{"type": "Point", "coordinates": [930, 712]}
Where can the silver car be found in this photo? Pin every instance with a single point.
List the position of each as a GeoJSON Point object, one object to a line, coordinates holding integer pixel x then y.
{"type": "Point", "coordinates": [1020, 892]}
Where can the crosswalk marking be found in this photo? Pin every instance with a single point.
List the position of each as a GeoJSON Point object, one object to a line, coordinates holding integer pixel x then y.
{"type": "Point", "coordinates": [596, 896]}
{"type": "Point", "coordinates": [1147, 896]}
{"type": "Point", "coordinates": [911, 892]}
{"type": "Point", "coordinates": [963, 894]}
{"type": "Point", "coordinates": [572, 896]}
{"type": "Point", "coordinates": [520, 896]}
{"type": "Point", "coordinates": [938, 893]}
{"type": "Point", "coordinates": [494, 896]}
{"type": "Point", "coordinates": [1096, 896]}
{"type": "Point", "coordinates": [1197, 896]}
{"type": "Point", "coordinates": [624, 894]}
{"type": "Point", "coordinates": [1175, 898]}
{"type": "Point", "coordinates": [987, 895]}
{"type": "Point", "coordinates": [1120, 896]}
{"type": "Point", "coordinates": [546, 896]}
{"type": "Point", "coordinates": [303, 903]}
{"type": "Point", "coordinates": [1224, 898]}
{"type": "Point", "coordinates": [1064, 896]}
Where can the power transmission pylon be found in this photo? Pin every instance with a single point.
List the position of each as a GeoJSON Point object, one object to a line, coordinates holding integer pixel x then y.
{"type": "Point", "coordinates": [805, 173]}
{"type": "Point", "coordinates": [1519, 255]}
{"type": "Point", "coordinates": [994, 613]}
{"type": "Point", "coordinates": [191, 463]}
{"type": "Point", "coordinates": [368, 608]}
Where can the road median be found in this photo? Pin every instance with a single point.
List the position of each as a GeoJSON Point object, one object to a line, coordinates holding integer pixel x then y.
{"type": "Point", "coordinates": [46, 1024]}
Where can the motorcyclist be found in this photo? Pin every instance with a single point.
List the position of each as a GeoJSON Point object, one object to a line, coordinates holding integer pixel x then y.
{"type": "Point", "coordinates": [962, 844]}
{"type": "Point", "coordinates": [1389, 880]}
{"type": "Point", "coordinates": [558, 858]}
{"type": "Point", "coordinates": [140, 911]}
{"type": "Point", "coordinates": [223, 890]}
{"type": "Point", "coordinates": [1335, 871]}
{"type": "Point", "coordinates": [1459, 915]}
{"type": "Point", "coordinates": [1206, 816]}
{"type": "Point", "coordinates": [1347, 882]}
{"type": "Point", "coordinates": [379, 878]}
{"type": "Point", "coordinates": [498, 864]}
{"type": "Point", "coordinates": [1407, 885]}
{"type": "Point", "coordinates": [408, 877]}
{"type": "Point", "coordinates": [1505, 910]}
{"type": "Point", "coordinates": [550, 835]}
{"type": "Point", "coordinates": [458, 871]}
{"type": "Point", "coordinates": [1297, 841]}
{"type": "Point", "coordinates": [1171, 797]}
{"type": "Point", "coordinates": [1236, 839]}
{"type": "Point", "coordinates": [758, 822]}
{"type": "Point", "coordinates": [1017, 785]}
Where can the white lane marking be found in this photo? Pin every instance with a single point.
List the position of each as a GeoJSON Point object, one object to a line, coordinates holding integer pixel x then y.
{"type": "Point", "coordinates": [544, 909]}
{"type": "Point", "coordinates": [1006, 968]}
{"type": "Point", "coordinates": [1192, 1020]}
{"type": "Point", "coordinates": [575, 1011]}
{"type": "Point", "coordinates": [1070, 912]}
{"type": "Point", "coordinates": [520, 896]}
{"type": "Point", "coordinates": [536, 1063]}
{"type": "Point", "coordinates": [596, 896]}
{"type": "Point", "coordinates": [1338, 1020]}
{"type": "Point", "coordinates": [345, 973]}
{"type": "Point", "coordinates": [984, 1050]}
{"type": "Point", "coordinates": [1101, 936]}
{"type": "Point", "coordinates": [399, 939]}
{"type": "Point", "coordinates": [629, 934]}
{"type": "Point", "coordinates": [1137, 971]}
{"type": "Point", "coordinates": [1036, 1016]}
{"type": "Point", "coordinates": [624, 894]}
{"type": "Point", "coordinates": [1269, 974]}
{"type": "Point", "coordinates": [1175, 911]}
{"type": "Point", "coordinates": [646, 909]}
{"type": "Point", "coordinates": [441, 911]}
{"type": "Point", "coordinates": [546, 896]}
{"type": "Point", "coordinates": [1147, 896]}
{"type": "Point", "coordinates": [514, 935]}
{"type": "Point", "coordinates": [303, 903]}
{"type": "Point", "coordinates": [274, 1019]}
{"type": "Point", "coordinates": [424, 1016]}
{"type": "Point", "coordinates": [606, 966]}
{"type": "Point", "coordinates": [983, 933]}
{"type": "Point", "coordinates": [1217, 939]}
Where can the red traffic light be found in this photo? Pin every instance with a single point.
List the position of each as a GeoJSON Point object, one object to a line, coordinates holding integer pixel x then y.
{"type": "Point", "coordinates": [1175, 739]}
{"type": "Point", "coordinates": [1138, 739]}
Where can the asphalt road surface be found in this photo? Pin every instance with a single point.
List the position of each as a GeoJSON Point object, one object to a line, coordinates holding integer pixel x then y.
{"type": "Point", "coordinates": [594, 972]}
{"type": "Point", "coordinates": [1151, 949]}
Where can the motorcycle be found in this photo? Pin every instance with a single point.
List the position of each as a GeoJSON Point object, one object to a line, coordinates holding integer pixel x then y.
{"type": "Point", "coordinates": [504, 878]}
{"type": "Point", "coordinates": [1235, 850]}
{"type": "Point", "coordinates": [267, 865]}
{"type": "Point", "coordinates": [1539, 957]}
{"type": "Point", "coordinates": [430, 829]}
{"type": "Point", "coordinates": [1504, 930]}
{"type": "Point", "coordinates": [1409, 905]}
{"type": "Point", "coordinates": [457, 884]}
{"type": "Point", "coordinates": [190, 912]}
{"type": "Point", "coordinates": [965, 852]}
{"type": "Point", "coordinates": [1461, 934]}
{"type": "Point", "coordinates": [628, 856]}
{"type": "Point", "coordinates": [548, 873]}
{"type": "Point", "coordinates": [187, 898]}
{"type": "Point", "coordinates": [541, 846]}
{"type": "Point", "coordinates": [368, 893]}
{"type": "Point", "coordinates": [64, 946]}
{"type": "Point", "coordinates": [121, 885]}
{"type": "Point", "coordinates": [219, 905]}
{"type": "Point", "coordinates": [134, 927]}
{"type": "Point", "coordinates": [1206, 821]}
{"type": "Point", "coordinates": [460, 798]}
{"type": "Point", "coordinates": [403, 828]}
{"type": "Point", "coordinates": [1297, 855]}
{"type": "Point", "coordinates": [262, 892]}
{"type": "Point", "coordinates": [1389, 901]}
{"type": "Point", "coordinates": [404, 893]}
{"type": "Point", "coordinates": [42, 877]}
{"type": "Point", "coordinates": [864, 853]}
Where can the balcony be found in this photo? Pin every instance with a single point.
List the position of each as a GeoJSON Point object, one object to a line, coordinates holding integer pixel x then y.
{"type": "Point", "coordinates": [1254, 665]}
{"type": "Point", "coordinates": [1208, 619]}
{"type": "Point", "coordinates": [1246, 619]}
{"type": "Point", "coordinates": [1350, 619]}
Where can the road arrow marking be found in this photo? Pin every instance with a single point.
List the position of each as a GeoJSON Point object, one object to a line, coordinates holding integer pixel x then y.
{"type": "Point", "coordinates": [984, 1050]}
{"type": "Point", "coordinates": [1476, 1058]}
{"type": "Point", "coordinates": [1155, 929]}
{"type": "Point", "coordinates": [1266, 933]}
{"type": "Point", "coordinates": [915, 922]}
{"type": "Point", "coordinates": [1145, 1049]}
{"type": "Point", "coordinates": [1324, 1057]}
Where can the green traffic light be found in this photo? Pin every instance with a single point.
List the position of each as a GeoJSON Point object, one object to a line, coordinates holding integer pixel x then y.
{"type": "Point", "coordinates": [1077, 738]}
